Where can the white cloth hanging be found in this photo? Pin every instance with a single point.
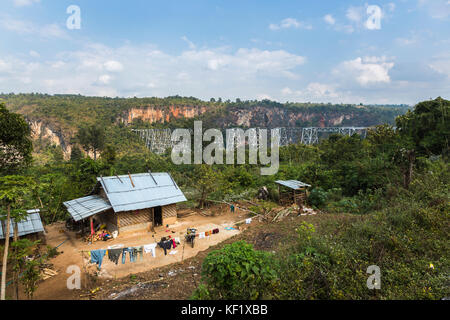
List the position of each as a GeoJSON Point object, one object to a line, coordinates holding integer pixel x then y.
{"type": "Point", "coordinates": [248, 221]}
{"type": "Point", "coordinates": [151, 248]}
{"type": "Point", "coordinates": [201, 235]}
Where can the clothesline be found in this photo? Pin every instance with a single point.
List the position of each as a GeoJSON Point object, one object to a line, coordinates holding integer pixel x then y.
{"type": "Point", "coordinates": [247, 220]}
{"type": "Point", "coordinates": [85, 251]}
{"type": "Point", "coordinates": [114, 252]}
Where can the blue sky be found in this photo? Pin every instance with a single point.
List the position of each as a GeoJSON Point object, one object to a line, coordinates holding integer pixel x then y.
{"type": "Point", "coordinates": [319, 51]}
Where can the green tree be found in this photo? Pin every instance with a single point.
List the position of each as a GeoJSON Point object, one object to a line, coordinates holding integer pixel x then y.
{"type": "Point", "coordinates": [55, 153]}
{"type": "Point", "coordinates": [92, 138]}
{"type": "Point", "coordinates": [21, 250]}
{"type": "Point", "coordinates": [109, 155]}
{"type": "Point", "coordinates": [13, 190]}
{"type": "Point", "coordinates": [15, 141]}
{"type": "Point", "coordinates": [76, 154]}
{"type": "Point", "coordinates": [207, 180]}
{"type": "Point", "coordinates": [428, 126]}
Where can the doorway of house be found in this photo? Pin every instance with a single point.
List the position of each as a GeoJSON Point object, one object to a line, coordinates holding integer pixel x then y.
{"type": "Point", "coordinates": [157, 215]}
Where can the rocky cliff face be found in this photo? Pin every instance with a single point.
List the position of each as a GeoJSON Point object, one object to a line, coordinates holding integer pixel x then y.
{"type": "Point", "coordinates": [154, 114]}
{"type": "Point", "coordinates": [243, 117]}
{"type": "Point", "coordinates": [281, 117]}
{"type": "Point", "coordinates": [235, 116]}
{"type": "Point", "coordinates": [44, 131]}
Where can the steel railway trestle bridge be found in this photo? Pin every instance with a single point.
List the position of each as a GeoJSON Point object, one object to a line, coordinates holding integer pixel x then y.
{"type": "Point", "coordinates": [159, 140]}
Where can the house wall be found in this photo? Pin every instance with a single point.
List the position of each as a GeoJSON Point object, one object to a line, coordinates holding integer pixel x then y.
{"type": "Point", "coordinates": [136, 220]}
{"type": "Point", "coordinates": [141, 220]}
{"type": "Point", "coordinates": [169, 214]}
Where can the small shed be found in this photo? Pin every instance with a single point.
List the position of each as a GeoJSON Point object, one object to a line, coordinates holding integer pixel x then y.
{"type": "Point", "coordinates": [292, 191]}
{"type": "Point", "coordinates": [32, 225]}
{"type": "Point", "coordinates": [133, 202]}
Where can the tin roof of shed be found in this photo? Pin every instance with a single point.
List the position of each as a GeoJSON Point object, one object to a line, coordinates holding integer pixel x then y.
{"type": "Point", "coordinates": [292, 184]}
{"type": "Point", "coordinates": [32, 224]}
{"type": "Point", "coordinates": [85, 207]}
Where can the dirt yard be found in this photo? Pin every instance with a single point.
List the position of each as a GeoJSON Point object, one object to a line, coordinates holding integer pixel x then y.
{"type": "Point", "coordinates": [179, 280]}
{"type": "Point", "coordinates": [164, 277]}
{"type": "Point", "coordinates": [72, 247]}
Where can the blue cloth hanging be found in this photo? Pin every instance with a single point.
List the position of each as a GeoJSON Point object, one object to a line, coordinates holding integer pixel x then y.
{"type": "Point", "coordinates": [97, 257]}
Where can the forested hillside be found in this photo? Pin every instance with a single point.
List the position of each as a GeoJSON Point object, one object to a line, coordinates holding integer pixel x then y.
{"type": "Point", "coordinates": [383, 201]}
{"type": "Point", "coordinates": [56, 119]}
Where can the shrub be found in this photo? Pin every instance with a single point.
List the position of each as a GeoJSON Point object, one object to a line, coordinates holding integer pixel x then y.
{"type": "Point", "coordinates": [317, 197]}
{"type": "Point", "coordinates": [236, 271]}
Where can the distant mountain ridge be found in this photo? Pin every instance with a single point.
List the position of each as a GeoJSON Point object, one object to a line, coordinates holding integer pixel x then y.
{"type": "Point", "coordinates": [56, 118]}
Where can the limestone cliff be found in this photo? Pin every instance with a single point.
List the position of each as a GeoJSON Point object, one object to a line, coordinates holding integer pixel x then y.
{"type": "Point", "coordinates": [154, 114]}
{"type": "Point", "coordinates": [50, 133]}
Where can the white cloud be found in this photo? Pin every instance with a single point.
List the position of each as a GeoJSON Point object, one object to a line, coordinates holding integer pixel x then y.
{"type": "Point", "coordinates": [113, 66]}
{"type": "Point", "coordinates": [365, 71]}
{"type": "Point", "coordinates": [4, 66]}
{"type": "Point", "coordinates": [314, 91]}
{"type": "Point", "coordinates": [244, 73]}
{"type": "Point", "coordinates": [189, 42]}
{"type": "Point", "coordinates": [391, 6]}
{"type": "Point", "coordinates": [264, 96]}
{"type": "Point", "coordinates": [34, 54]}
{"type": "Point", "coordinates": [28, 28]}
{"type": "Point", "coordinates": [15, 25]}
{"type": "Point", "coordinates": [407, 41]}
{"type": "Point", "coordinates": [290, 23]}
{"type": "Point", "coordinates": [441, 64]}
{"type": "Point", "coordinates": [355, 14]}
{"type": "Point", "coordinates": [437, 9]}
{"type": "Point", "coordinates": [286, 91]}
{"type": "Point", "coordinates": [105, 79]}
{"type": "Point", "coordinates": [58, 64]}
{"type": "Point", "coordinates": [52, 31]}
{"type": "Point", "coordinates": [24, 3]}
{"type": "Point", "coordinates": [329, 19]}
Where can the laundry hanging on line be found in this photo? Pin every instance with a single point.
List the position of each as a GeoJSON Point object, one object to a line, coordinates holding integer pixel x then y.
{"type": "Point", "coordinates": [97, 257]}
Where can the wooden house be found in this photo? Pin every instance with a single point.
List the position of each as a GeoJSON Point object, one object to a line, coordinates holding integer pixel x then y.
{"type": "Point", "coordinates": [133, 202]}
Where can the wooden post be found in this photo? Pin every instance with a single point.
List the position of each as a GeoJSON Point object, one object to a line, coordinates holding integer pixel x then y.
{"type": "Point", "coordinates": [91, 226]}
{"type": "Point", "coordinates": [153, 219]}
{"type": "Point", "coordinates": [129, 175]}
{"type": "Point", "coordinates": [279, 195]}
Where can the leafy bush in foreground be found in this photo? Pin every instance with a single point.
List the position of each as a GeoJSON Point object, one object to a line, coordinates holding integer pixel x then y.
{"type": "Point", "coordinates": [236, 271]}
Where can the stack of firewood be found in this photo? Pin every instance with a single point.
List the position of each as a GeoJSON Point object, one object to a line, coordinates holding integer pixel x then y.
{"type": "Point", "coordinates": [47, 273]}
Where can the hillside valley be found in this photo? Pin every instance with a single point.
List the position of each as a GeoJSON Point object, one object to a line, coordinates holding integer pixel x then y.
{"type": "Point", "coordinates": [55, 119]}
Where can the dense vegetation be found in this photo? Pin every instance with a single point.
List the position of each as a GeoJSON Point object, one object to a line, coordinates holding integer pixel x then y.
{"type": "Point", "coordinates": [391, 189]}
{"type": "Point", "coordinates": [392, 192]}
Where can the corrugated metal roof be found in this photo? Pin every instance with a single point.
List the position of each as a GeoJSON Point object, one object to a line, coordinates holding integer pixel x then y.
{"type": "Point", "coordinates": [149, 190]}
{"type": "Point", "coordinates": [85, 207]}
{"type": "Point", "coordinates": [32, 224]}
{"type": "Point", "coordinates": [293, 184]}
